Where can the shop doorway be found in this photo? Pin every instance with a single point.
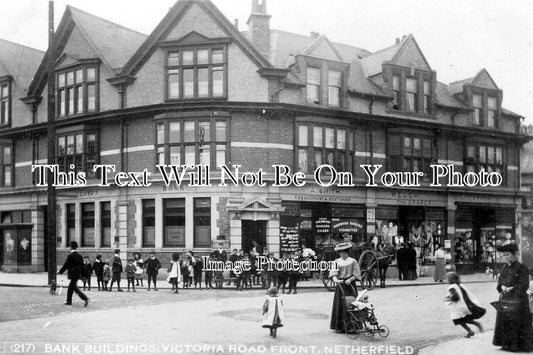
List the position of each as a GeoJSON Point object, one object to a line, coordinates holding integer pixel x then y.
{"type": "Point", "coordinates": [253, 230]}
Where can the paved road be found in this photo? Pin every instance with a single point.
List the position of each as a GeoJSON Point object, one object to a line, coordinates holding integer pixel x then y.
{"type": "Point", "coordinates": [415, 315]}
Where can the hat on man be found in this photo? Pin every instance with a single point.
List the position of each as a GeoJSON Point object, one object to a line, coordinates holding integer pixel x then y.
{"type": "Point", "coordinates": [343, 246]}
{"type": "Point", "coordinates": [513, 248]}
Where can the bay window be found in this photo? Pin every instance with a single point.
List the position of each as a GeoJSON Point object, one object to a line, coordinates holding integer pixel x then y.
{"type": "Point", "coordinates": [77, 151]}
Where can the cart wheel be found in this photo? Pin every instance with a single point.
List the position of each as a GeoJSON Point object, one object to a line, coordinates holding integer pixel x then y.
{"type": "Point", "coordinates": [369, 332]}
{"type": "Point", "coordinates": [327, 281]}
{"type": "Point", "coordinates": [368, 264]}
{"type": "Point", "coordinates": [353, 330]}
{"type": "Point", "coordinates": [383, 331]}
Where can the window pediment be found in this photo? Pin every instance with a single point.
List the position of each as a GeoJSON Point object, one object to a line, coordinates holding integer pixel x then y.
{"type": "Point", "coordinates": [193, 39]}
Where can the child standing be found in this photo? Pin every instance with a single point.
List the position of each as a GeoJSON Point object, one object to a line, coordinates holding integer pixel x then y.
{"type": "Point", "coordinates": [106, 276]}
{"type": "Point", "coordinates": [130, 274]}
{"type": "Point", "coordinates": [98, 268]}
{"type": "Point", "coordinates": [463, 305]}
{"type": "Point", "coordinates": [86, 273]}
{"type": "Point", "coordinates": [273, 311]}
{"type": "Point", "coordinates": [116, 268]}
{"type": "Point", "coordinates": [174, 273]}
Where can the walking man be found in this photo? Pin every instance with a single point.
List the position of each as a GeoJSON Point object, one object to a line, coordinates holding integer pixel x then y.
{"type": "Point", "coordinates": [74, 265]}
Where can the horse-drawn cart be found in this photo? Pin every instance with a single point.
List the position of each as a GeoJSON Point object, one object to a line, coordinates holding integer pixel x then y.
{"type": "Point", "coordinates": [369, 262]}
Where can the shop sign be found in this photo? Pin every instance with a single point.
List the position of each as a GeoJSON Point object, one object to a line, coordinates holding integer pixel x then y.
{"type": "Point", "coordinates": [306, 225]}
{"type": "Point", "coordinates": [319, 198]}
{"type": "Point", "coordinates": [323, 225]}
{"type": "Point", "coordinates": [410, 198]}
{"type": "Point", "coordinates": [346, 226]}
{"type": "Point", "coordinates": [371, 215]}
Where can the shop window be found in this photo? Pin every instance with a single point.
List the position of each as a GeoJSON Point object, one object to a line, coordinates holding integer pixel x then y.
{"type": "Point", "coordinates": [71, 222]}
{"type": "Point", "coordinates": [5, 103]}
{"type": "Point", "coordinates": [77, 152]}
{"type": "Point", "coordinates": [6, 164]}
{"type": "Point", "coordinates": [174, 222]}
{"type": "Point", "coordinates": [148, 220]}
{"type": "Point", "coordinates": [328, 146]}
{"type": "Point", "coordinates": [488, 157]}
{"type": "Point", "coordinates": [411, 153]}
{"type": "Point", "coordinates": [203, 141]}
{"type": "Point", "coordinates": [87, 224]}
{"type": "Point", "coordinates": [196, 73]}
{"type": "Point", "coordinates": [202, 222]}
{"type": "Point", "coordinates": [105, 223]}
{"type": "Point", "coordinates": [76, 91]}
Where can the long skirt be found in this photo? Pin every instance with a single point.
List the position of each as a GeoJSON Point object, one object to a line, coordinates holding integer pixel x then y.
{"type": "Point", "coordinates": [440, 269]}
{"type": "Point", "coordinates": [513, 330]}
{"type": "Point", "coordinates": [338, 310]}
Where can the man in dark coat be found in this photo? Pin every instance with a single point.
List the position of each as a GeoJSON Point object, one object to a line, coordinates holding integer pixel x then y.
{"type": "Point", "coordinates": [152, 267]}
{"type": "Point", "coordinates": [401, 259]}
{"type": "Point", "coordinates": [116, 270]}
{"type": "Point", "coordinates": [74, 265]}
{"type": "Point", "coordinates": [98, 268]}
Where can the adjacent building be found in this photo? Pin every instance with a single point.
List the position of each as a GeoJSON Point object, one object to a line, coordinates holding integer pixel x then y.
{"type": "Point", "coordinates": [197, 90]}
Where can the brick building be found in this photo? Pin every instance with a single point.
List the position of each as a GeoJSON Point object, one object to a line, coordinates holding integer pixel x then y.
{"type": "Point", "coordinates": [199, 91]}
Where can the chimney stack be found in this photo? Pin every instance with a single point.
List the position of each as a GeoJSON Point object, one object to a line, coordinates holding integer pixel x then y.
{"type": "Point", "coordinates": [397, 40]}
{"type": "Point", "coordinates": [259, 27]}
{"type": "Point", "coordinates": [315, 34]}
{"type": "Point", "coordinates": [237, 24]}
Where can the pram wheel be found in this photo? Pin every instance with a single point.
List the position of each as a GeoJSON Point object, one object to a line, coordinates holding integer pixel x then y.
{"type": "Point", "coordinates": [353, 330]}
{"type": "Point", "coordinates": [383, 331]}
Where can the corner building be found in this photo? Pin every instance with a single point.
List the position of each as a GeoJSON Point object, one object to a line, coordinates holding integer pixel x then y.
{"type": "Point", "coordinates": [197, 90]}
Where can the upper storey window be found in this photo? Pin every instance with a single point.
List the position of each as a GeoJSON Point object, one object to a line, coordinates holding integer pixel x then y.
{"type": "Point", "coordinates": [313, 85]}
{"type": "Point", "coordinates": [412, 94]}
{"type": "Point", "coordinates": [485, 110]}
{"type": "Point", "coordinates": [196, 73]}
{"type": "Point", "coordinates": [324, 85]}
{"type": "Point", "coordinates": [77, 91]}
{"type": "Point", "coordinates": [4, 103]}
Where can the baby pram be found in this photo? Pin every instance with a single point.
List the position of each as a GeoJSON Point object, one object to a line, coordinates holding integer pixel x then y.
{"type": "Point", "coordinates": [364, 320]}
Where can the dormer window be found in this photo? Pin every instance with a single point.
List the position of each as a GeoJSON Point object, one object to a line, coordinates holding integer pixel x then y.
{"type": "Point", "coordinates": [334, 88]}
{"type": "Point", "coordinates": [412, 93]}
{"type": "Point", "coordinates": [485, 109]}
{"type": "Point", "coordinates": [196, 73]}
{"type": "Point", "coordinates": [313, 85]}
{"type": "Point", "coordinates": [77, 91]}
{"type": "Point", "coordinates": [477, 103]}
{"type": "Point", "coordinates": [4, 103]}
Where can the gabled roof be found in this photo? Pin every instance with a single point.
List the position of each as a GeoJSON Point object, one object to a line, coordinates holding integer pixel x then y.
{"type": "Point", "coordinates": [114, 43]}
{"type": "Point", "coordinates": [285, 45]}
{"type": "Point", "coordinates": [446, 98]}
{"type": "Point", "coordinates": [322, 41]}
{"type": "Point", "coordinates": [358, 81]}
{"type": "Point", "coordinates": [373, 62]}
{"type": "Point", "coordinates": [20, 61]}
{"type": "Point", "coordinates": [169, 21]}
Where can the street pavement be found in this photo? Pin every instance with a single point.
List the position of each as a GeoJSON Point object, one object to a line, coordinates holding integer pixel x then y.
{"type": "Point", "coordinates": [212, 321]}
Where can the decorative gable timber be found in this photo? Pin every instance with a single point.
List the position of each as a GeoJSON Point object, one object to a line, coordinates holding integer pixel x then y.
{"type": "Point", "coordinates": [322, 48]}
{"type": "Point", "coordinates": [484, 80]}
{"type": "Point", "coordinates": [409, 55]}
{"type": "Point", "coordinates": [165, 30]}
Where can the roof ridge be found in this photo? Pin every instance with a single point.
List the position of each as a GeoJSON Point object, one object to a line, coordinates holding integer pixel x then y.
{"type": "Point", "coordinates": [106, 20]}
{"type": "Point", "coordinates": [22, 45]}
{"type": "Point", "coordinates": [322, 34]}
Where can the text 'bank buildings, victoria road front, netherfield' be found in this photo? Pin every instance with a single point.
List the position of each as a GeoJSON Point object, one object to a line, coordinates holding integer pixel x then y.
{"type": "Point", "coordinates": [197, 90]}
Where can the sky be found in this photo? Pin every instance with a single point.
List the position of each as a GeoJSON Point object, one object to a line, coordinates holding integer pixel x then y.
{"type": "Point", "coordinates": [457, 37]}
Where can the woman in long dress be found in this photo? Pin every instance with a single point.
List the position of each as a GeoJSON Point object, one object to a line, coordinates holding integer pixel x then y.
{"type": "Point", "coordinates": [345, 275]}
{"type": "Point", "coordinates": [440, 264]}
{"type": "Point", "coordinates": [513, 331]}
